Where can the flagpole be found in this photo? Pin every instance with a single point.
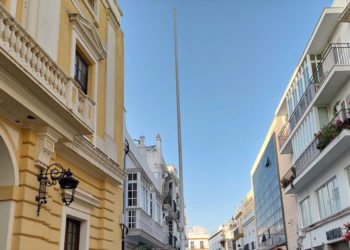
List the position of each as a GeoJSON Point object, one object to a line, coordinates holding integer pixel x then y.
{"type": "Point", "coordinates": [182, 205]}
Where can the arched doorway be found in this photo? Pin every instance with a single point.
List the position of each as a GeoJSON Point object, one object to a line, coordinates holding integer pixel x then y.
{"type": "Point", "coordinates": [8, 178]}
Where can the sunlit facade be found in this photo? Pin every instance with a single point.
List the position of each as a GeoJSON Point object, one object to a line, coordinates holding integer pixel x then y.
{"type": "Point", "coordinates": [269, 215]}
{"type": "Point", "coordinates": [62, 101]}
{"type": "Point", "coordinates": [315, 135]}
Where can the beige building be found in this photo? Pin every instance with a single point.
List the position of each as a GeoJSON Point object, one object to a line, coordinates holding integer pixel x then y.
{"type": "Point", "coordinates": [61, 112]}
{"type": "Point", "coordinates": [198, 238]}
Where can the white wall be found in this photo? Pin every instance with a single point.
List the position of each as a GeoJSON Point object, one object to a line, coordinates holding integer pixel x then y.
{"type": "Point", "coordinates": [337, 170]}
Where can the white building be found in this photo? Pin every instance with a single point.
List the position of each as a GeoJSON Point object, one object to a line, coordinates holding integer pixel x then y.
{"type": "Point", "coordinates": [151, 197]}
{"type": "Point", "coordinates": [198, 238]}
{"type": "Point", "coordinates": [215, 241]}
{"type": "Point", "coordinates": [248, 223]}
{"type": "Point", "coordinates": [318, 97]}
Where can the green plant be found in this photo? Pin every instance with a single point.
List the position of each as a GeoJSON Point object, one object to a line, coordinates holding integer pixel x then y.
{"type": "Point", "coordinates": [284, 182]}
{"type": "Point", "coordinates": [326, 135]}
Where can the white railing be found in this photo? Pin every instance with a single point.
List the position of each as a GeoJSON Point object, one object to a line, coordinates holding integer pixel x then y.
{"type": "Point", "coordinates": [19, 46]}
{"type": "Point", "coordinates": [147, 224]}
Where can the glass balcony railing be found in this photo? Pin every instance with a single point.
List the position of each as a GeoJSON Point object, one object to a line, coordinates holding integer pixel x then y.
{"type": "Point", "coordinates": [336, 54]}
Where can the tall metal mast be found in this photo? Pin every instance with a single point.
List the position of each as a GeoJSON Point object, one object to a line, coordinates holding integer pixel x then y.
{"type": "Point", "coordinates": [182, 205]}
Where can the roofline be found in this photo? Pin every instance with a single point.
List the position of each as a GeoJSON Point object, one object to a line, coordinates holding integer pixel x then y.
{"type": "Point", "coordinates": [306, 49]}
{"type": "Point", "coordinates": [218, 232]}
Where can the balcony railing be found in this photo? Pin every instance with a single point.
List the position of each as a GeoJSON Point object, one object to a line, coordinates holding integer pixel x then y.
{"type": "Point", "coordinates": [20, 47]}
{"type": "Point", "coordinates": [336, 54]}
{"type": "Point", "coordinates": [333, 128]}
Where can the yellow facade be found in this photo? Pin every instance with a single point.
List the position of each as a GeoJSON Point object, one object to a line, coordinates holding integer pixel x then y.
{"type": "Point", "coordinates": [45, 118]}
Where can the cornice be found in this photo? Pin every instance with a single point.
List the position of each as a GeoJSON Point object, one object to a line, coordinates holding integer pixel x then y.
{"type": "Point", "coordinates": [90, 35]}
{"type": "Point", "coordinates": [86, 197]}
{"type": "Point", "coordinates": [87, 152]}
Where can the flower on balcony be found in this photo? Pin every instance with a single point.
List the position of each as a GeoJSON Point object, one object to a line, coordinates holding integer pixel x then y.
{"type": "Point", "coordinates": [285, 181]}
{"type": "Point", "coordinates": [329, 132]}
{"type": "Point", "coordinates": [347, 232]}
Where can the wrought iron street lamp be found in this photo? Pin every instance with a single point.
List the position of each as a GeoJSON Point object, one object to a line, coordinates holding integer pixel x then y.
{"type": "Point", "coordinates": [49, 177]}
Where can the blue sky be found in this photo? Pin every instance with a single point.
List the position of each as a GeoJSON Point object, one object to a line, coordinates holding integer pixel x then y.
{"type": "Point", "coordinates": [236, 58]}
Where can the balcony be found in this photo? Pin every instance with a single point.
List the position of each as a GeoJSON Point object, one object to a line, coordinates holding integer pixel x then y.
{"type": "Point", "coordinates": [32, 83]}
{"type": "Point", "coordinates": [329, 77]}
{"type": "Point", "coordinates": [331, 142]}
{"type": "Point", "coordinates": [172, 212]}
{"type": "Point", "coordinates": [145, 225]}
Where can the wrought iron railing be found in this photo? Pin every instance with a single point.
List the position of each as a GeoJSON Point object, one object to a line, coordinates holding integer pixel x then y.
{"type": "Point", "coordinates": [336, 54]}
{"type": "Point", "coordinates": [314, 149]}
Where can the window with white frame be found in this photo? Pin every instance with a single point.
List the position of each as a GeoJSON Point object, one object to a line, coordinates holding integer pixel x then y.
{"type": "Point", "coordinates": [305, 212]}
{"type": "Point", "coordinates": [72, 234]}
{"type": "Point", "coordinates": [131, 219]}
{"type": "Point", "coordinates": [151, 204]}
{"type": "Point", "coordinates": [132, 190]}
{"type": "Point", "coordinates": [81, 71]}
{"type": "Point", "coordinates": [300, 84]}
{"type": "Point", "coordinates": [75, 228]}
{"type": "Point", "coordinates": [159, 210]}
{"type": "Point", "coordinates": [145, 195]}
{"type": "Point", "coordinates": [192, 244]}
{"type": "Point", "coordinates": [328, 199]}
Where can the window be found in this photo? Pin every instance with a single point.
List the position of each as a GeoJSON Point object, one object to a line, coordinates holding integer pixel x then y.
{"type": "Point", "coordinates": [305, 212]}
{"type": "Point", "coordinates": [81, 72]}
{"type": "Point", "coordinates": [170, 226]}
{"type": "Point", "coordinates": [151, 204]}
{"type": "Point", "coordinates": [328, 199]}
{"type": "Point", "coordinates": [132, 219]}
{"type": "Point", "coordinates": [159, 211]}
{"type": "Point", "coordinates": [72, 235]}
{"type": "Point", "coordinates": [201, 243]}
{"type": "Point", "coordinates": [132, 190]}
{"type": "Point", "coordinates": [146, 197]}
{"type": "Point", "coordinates": [253, 245]}
{"type": "Point", "coordinates": [192, 244]}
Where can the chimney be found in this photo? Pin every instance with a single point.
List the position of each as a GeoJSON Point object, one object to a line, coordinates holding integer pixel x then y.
{"type": "Point", "coordinates": [158, 143]}
{"type": "Point", "coordinates": [142, 140]}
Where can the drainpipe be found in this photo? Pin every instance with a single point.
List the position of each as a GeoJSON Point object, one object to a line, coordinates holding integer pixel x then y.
{"type": "Point", "coordinates": [124, 227]}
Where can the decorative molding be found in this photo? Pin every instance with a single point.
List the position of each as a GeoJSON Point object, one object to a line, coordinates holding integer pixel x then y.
{"type": "Point", "coordinates": [88, 153]}
{"type": "Point", "coordinates": [86, 198]}
{"type": "Point", "coordinates": [113, 20]}
{"type": "Point", "coordinates": [90, 35]}
{"type": "Point", "coordinates": [28, 57]}
{"type": "Point", "coordinates": [45, 147]}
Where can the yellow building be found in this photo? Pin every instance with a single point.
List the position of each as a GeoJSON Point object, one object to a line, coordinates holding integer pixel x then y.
{"type": "Point", "coordinates": [61, 101]}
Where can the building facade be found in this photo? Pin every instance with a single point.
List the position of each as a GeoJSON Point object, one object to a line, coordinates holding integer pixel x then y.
{"type": "Point", "coordinates": [151, 198]}
{"type": "Point", "coordinates": [61, 95]}
{"type": "Point", "coordinates": [198, 238]}
{"type": "Point", "coordinates": [215, 241]}
{"type": "Point", "coordinates": [248, 222]}
{"type": "Point", "coordinates": [230, 234]}
{"type": "Point", "coordinates": [315, 108]}
{"type": "Point", "coordinates": [269, 215]}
